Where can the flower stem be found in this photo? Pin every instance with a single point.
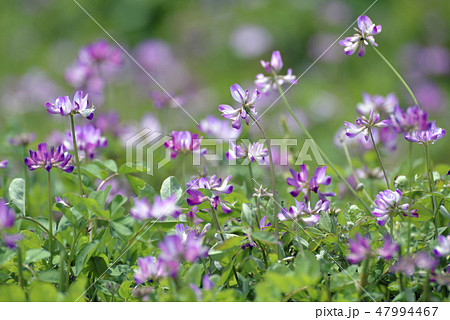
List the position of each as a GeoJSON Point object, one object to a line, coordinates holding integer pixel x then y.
{"type": "Point", "coordinates": [50, 217]}
{"type": "Point", "coordinates": [410, 151]}
{"type": "Point", "coordinates": [430, 185]}
{"type": "Point", "coordinates": [398, 75]}
{"type": "Point", "coordinates": [216, 223]}
{"type": "Point", "coordinates": [272, 178]}
{"type": "Point", "coordinates": [340, 176]}
{"type": "Point", "coordinates": [300, 245]}
{"type": "Point", "coordinates": [379, 157]}
{"type": "Point", "coordinates": [252, 182]}
{"type": "Point", "coordinates": [26, 178]}
{"type": "Point", "coordinates": [77, 159]}
{"type": "Point", "coordinates": [20, 268]}
{"type": "Point", "coordinates": [363, 276]}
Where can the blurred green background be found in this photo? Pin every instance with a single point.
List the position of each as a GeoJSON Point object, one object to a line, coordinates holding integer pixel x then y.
{"type": "Point", "coordinates": [217, 43]}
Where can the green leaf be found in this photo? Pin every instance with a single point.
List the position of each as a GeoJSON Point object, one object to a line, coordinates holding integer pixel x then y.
{"type": "Point", "coordinates": [83, 255]}
{"type": "Point", "coordinates": [147, 192]}
{"type": "Point", "coordinates": [325, 221]}
{"type": "Point", "coordinates": [248, 215]}
{"type": "Point", "coordinates": [11, 293]}
{"type": "Point", "coordinates": [194, 275]}
{"type": "Point", "coordinates": [43, 292]}
{"type": "Point", "coordinates": [266, 237]}
{"type": "Point", "coordinates": [100, 196]}
{"type": "Point", "coordinates": [76, 291]}
{"type": "Point", "coordinates": [34, 255]}
{"type": "Point", "coordinates": [17, 193]}
{"type": "Point", "coordinates": [121, 228]}
{"type": "Point", "coordinates": [117, 202]}
{"type": "Point", "coordinates": [83, 205]}
{"type": "Point", "coordinates": [444, 212]}
{"type": "Point", "coordinates": [136, 183]}
{"type": "Point", "coordinates": [125, 289]}
{"type": "Point", "coordinates": [107, 164]}
{"type": "Point", "coordinates": [169, 187]}
{"type": "Point", "coordinates": [95, 171]}
{"type": "Point", "coordinates": [51, 276]}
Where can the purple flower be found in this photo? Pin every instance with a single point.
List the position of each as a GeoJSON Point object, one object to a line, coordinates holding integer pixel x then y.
{"type": "Point", "coordinates": [424, 260]}
{"type": "Point", "coordinates": [159, 210]}
{"type": "Point", "coordinates": [3, 164]}
{"type": "Point", "coordinates": [11, 239]}
{"type": "Point", "coordinates": [388, 202]}
{"type": "Point", "coordinates": [389, 248]}
{"type": "Point", "coordinates": [406, 265]}
{"type": "Point", "coordinates": [100, 53]}
{"type": "Point", "coordinates": [64, 106]}
{"type": "Point", "coordinates": [263, 225]}
{"type": "Point", "coordinates": [363, 37]}
{"type": "Point", "coordinates": [107, 122]}
{"type": "Point", "coordinates": [23, 139]}
{"type": "Point", "coordinates": [301, 184]}
{"type": "Point", "coordinates": [359, 249]}
{"type": "Point", "coordinates": [45, 158]}
{"type": "Point", "coordinates": [427, 136]}
{"type": "Point", "coordinates": [304, 213]}
{"type": "Point", "coordinates": [88, 140]}
{"type": "Point", "coordinates": [254, 152]}
{"type": "Point", "coordinates": [7, 216]}
{"type": "Point", "coordinates": [443, 249]}
{"type": "Point", "coordinates": [267, 83]}
{"type": "Point", "coordinates": [362, 125]}
{"type": "Point", "coordinates": [414, 119]}
{"type": "Point", "coordinates": [183, 141]}
{"type": "Point", "coordinates": [149, 269]}
{"type": "Point", "coordinates": [217, 128]}
{"type": "Point", "coordinates": [247, 102]}
{"type": "Point", "coordinates": [377, 103]}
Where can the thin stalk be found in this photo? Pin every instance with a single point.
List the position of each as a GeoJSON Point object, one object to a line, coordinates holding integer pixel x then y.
{"type": "Point", "coordinates": [26, 178]}
{"type": "Point", "coordinates": [252, 183]}
{"type": "Point", "coordinates": [300, 245]}
{"type": "Point", "coordinates": [430, 184]}
{"type": "Point", "coordinates": [20, 268]}
{"type": "Point", "coordinates": [340, 176]}
{"type": "Point", "coordinates": [216, 223]}
{"type": "Point", "coordinates": [379, 157]}
{"type": "Point", "coordinates": [426, 287]}
{"type": "Point", "coordinates": [410, 189]}
{"type": "Point", "coordinates": [391, 227]}
{"type": "Point", "coordinates": [363, 277]}
{"type": "Point", "coordinates": [272, 178]}
{"type": "Point", "coordinates": [77, 159]}
{"type": "Point", "coordinates": [50, 217]}
{"type": "Point", "coordinates": [398, 76]}
{"type": "Point", "coordinates": [183, 170]}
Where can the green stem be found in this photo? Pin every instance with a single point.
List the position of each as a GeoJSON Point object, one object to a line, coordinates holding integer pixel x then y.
{"type": "Point", "coordinates": [50, 217]}
{"type": "Point", "coordinates": [340, 176]}
{"type": "Point", "coordinates": [77, 159]}
{"type": "Point", "coordinates": [20, 268]}
{"type": "Point", "coordinates": [217, 225]}
{"type": "Point", "coordinates": [379, 157]}
{"type": "Point", "coordinates": [410, 189]}
{"type": "Point", "coordinates": [391, 227]}
{"type": "Point", "coordinates": [363, 277]}
{"type": "Point", "coordinates": [252, 182]}
{"type": "Point", "coordinates": [26, 178]}
{"type": "Point", "coordinates": [430, 185]}
{"type": "Point", "coordinates": [426, 287]}
{"type": "Point", "coordinates": [398, 76]}
{"type": "Point", "coordinates": [183, 170]}
{"type": "Point", "coordinates": [300, 245]}
{"type": "Point", "coordinates": [272, 178]}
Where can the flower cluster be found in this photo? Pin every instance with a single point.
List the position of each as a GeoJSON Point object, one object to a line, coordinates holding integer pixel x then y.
{"type": "Point", "coordinates": [304, 213]}
{"type": "Point", "coordinates": [247, 102]}
{"type": "Point", "coordinates": [215, 185]}
{"type": "Point", "coordinates": [65, 107]}
{"type": "Point", "coordinates": [271, 82]}
{"type": "Point", "coordinates": [45, 158]}
{"type": "Point", "coordinates": [377, 103]}
{"type": "Point", "coordinates": [412, 120]}
{"type": "Point", "coordinates": [363, 37]}
{"type": "Point", "coordinates": [23, 139]}
{"type": "Point", "coordinates": [88, 139]}
{"type": "Point", "coordinates": [161, 208]}
{"type": "Point", "coordinates": [361, 248]}
{"type": "Point", "coordinates": [364, 124]}
{"type": "Point", "coordinates": [425, 137]}
{"type": "Point", "coordinates": [301, 182]}
{"type": "Point", "coordinates": [184, 142]}
{"type": "Point", "coordinates": [387, 203]}
{"type": "Point", "coordinates": [254, 152]}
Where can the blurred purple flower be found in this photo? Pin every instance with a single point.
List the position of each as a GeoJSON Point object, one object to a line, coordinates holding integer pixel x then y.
{"type": "Point", "coordinates": [217, 128]}
{"type": "Point", "coordinates": [388, 202]}
{"type": "Point", "coordinates": [359, 249]}
{"type": "Point", "coordinates": [411, 120]}
{"type": "Point", "coordinates": [149, 269]}
{"type": "Point", "coordinates": [11, 239]}
{"type": "Point", "coordinates": [389, 248]}
{"type": "Point", "coordinates": [363, 124]}
{"type": "Point", "coordinates": [142, 209]}
{"type": "Point", "coordinates": [247, 102]}
{"type": "Point", "coordinates": [302, 212]}
{"type": "Point", "coordinates": [254, 152]}
{"type": "Point", "coordinates": [107, 121]}
{"type": "Point", "coordinates": [163, 100]}
{"type": "Point", "coordinates": [363, 37]}
{"type": "Point", "coordinates": [443, 249]}
{"type": "Point", "coordinates": [23, 139]}
{"type": "Point", "coordinates": [45, 158]}
{"type": "Point", "coordinates": [427, 136]}
{"type": "Point", "coordinates": [267, 83]}
{"type": "Point", "coordinates": [89, 139]}
{"type": "Point", "coordinates": [406, 265]}
{"type": "Point", "coordinates": [300, 182]}
{"type": "Point", "coordinates": [7, 215]}
{"type": "Point", "coordinates": [250, 41]}
{"type": "Point", "coordinates": [64, 106]}
{"type": "Point", "coordinates": [366, 173]}
{"type": "Point", "coordinates": [3, 164]}
{"type": "Point", "coordinates": [424, 260]}
{"type": "Point", "coordinates": [377, 103]}
{"type": "Point", "coordinates": [183, 141]}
